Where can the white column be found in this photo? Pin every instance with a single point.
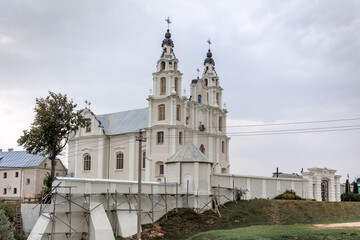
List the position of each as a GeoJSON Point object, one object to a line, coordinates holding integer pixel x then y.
{"type": "Point", "coordinates": [100, 157]}
{"type": "Point", "coordinates": [132, 157]}
{"type": "Point", "coordinates": [337, 189]}
{"type": "Point", "coordinates": [332, 189]}
{"type": "Point", "coordinates": [196, 177]}
{"type": "Point", "coordinates": [318, 188]}
{"type": "Point", "coordinates": [174, 140]}
{"type": "Point", "coordinates": [76, 157]}
{"type": "Point", "coordinates": [211, 149]}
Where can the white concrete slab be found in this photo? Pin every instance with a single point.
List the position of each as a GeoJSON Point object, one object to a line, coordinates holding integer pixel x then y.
{"type": "Point", "coordinates": [100, 227]}
{"type": "Point", "coordinates": [40, 227]}
{"type": "Point", "coordinates": [127, 223]}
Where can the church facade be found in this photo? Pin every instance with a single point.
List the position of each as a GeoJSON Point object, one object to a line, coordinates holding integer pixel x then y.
{"type": "Point", "coordinates": [108, 147]}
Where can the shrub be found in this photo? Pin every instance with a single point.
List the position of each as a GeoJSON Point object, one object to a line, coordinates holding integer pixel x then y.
{"type": "Point", "coordinates": [350, 197]}
{"type": "Point", "coordinates": [356, 188]}
{"type": "Point", "coordinates": [6, 231]}
{"type": "Point", "coordinates": [289, 195]}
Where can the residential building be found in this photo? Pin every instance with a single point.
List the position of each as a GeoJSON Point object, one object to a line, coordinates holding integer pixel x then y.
{"type": "Point", "coordinates": [22, 174]}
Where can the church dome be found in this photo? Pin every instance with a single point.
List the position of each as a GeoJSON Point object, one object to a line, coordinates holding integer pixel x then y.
{"type": "Point", "coordinates": [167, 40]}
{"type": "Point", "coordinates": [209, 58]}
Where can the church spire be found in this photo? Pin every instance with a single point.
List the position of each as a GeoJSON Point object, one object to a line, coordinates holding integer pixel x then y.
{"type": "Point", "coordinates": [209, 58]}
{"type": "Point", "coordinates": [167, 41]}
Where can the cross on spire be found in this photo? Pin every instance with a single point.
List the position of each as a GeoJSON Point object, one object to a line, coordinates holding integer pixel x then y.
{"type": "Point", "coordinates": [87, 104]}
{"type": "Point", "coordinates": [168, 22]}
{"type": "Point", "coordinates": [209, 42]}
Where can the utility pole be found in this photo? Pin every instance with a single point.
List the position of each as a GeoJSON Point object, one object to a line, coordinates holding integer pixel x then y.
{"type": "Point", "coordinates": [140, 139]}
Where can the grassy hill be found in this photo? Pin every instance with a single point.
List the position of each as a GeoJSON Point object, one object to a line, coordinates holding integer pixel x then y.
{"type": "Point", "coordinates": [185, 223]}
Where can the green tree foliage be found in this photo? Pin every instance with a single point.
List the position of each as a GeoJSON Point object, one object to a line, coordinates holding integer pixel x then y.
{"type": "Point", "coordinates": [6, 230]}
{"type": "Point", "coordinates": [55, 120]}
{"type": "Point", "coordinates": [347, 186]}
{"type": "Point", "coordinates": [47, 181]}
{"type": "Point", "coordinates": [356, 188]}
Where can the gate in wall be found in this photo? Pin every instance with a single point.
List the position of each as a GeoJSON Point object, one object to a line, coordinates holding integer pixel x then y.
{"type": "Point", "coordinates": [325, 190]}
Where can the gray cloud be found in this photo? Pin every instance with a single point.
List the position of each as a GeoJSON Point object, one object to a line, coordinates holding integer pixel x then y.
{"type": "Point", "coordinates": [278, 61]}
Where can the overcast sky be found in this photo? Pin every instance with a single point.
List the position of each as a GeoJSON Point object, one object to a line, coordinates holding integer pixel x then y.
{"type": "Point", "coordinates": [278, 61]}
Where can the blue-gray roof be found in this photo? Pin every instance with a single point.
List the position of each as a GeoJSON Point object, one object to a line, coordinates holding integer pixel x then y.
{"type": "Point", "coordinates": [19, 159]}
{"type": "Point", "coordinates": [124, 122]}
{"type": "Point", "coordinates": [188, 153]}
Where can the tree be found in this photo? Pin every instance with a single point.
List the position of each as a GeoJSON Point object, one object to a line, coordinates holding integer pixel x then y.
{"type": "Point", "coordinates": [6, 231]}
{"type": "Point", "coordinates": [356, 188]}
{"type": "Point", "coordinates": [347, 186]}
{"type": "Point", "coordinates": [55, 120]}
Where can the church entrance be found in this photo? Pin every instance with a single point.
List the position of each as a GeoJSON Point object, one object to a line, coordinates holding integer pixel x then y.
{"type": "Point", "coordinates": [325, 190]}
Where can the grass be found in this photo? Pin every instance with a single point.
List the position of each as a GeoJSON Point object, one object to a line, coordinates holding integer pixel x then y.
{"type": "Point", "coordinates": [304, 232]}
{"type": "Point", "coordinates": [186, 223]}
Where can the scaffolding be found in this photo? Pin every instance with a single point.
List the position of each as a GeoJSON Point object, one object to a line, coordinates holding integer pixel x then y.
{"type": "Point", "coordinates": [63, 206]}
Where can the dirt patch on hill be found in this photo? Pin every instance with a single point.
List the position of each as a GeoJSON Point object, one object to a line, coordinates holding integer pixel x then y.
{"type": "Point", "coordinates": [338, 225]}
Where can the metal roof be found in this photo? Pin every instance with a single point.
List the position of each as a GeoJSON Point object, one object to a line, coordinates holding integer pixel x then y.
{"type": "Point", "coordinates": [103, 180]}
{"type": "Point", "coordinates": [19, 159]}
{"type": "Point", "coordinates": [124, 122]}
{"type": "Point", "coordinates": [188, 153]}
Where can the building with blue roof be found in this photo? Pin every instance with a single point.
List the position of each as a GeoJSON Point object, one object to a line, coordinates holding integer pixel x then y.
{"type": "Point", "coordinates": [22, 174]}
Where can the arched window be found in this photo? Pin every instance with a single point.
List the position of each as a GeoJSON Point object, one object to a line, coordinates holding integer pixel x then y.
{"type": "Point", "coordinates": [176, 85]}
{"type": "Point", "coordinates": [202, 149]}
{"type": "Point", "coordinates": [163, 64]}
{"type": "Point", "coordinates": [143, 159]}
{"type": "Point", "coordinates": [87, 162]}
{"type": "Point", "coordinates": [199, 98]}
{"type": "Point", "coordinates": [206, 81]}
{"type": "Point", "coordinates": [180, 138]}
{"type": "Point", "coordinates": [160, 137]}
{"type": "Point", "coordinates": [88, 125]}
{"type": "Point", "coordinates": [120, 160]}
{"type": "Point", "coordinates": [220, 123]}
{"type": "Point", "coordinates": [178, 112]}
{"type": "Point", "coordinates": [223, 170]}
{"type": "Point", "coordinates": [162, 86]}
{"type": "Point", "coordinates": [161, 112]}
{"type": "Point", "coordinates": [223, 146]}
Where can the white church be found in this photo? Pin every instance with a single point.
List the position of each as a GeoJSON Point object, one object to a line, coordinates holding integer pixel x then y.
{"type": "Point", "coordinates": [108, 148]}
{"type": "Point", "coordinates": [184, 163]}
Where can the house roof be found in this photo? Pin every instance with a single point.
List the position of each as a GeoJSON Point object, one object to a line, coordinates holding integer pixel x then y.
{"type": "Point", "coordinates": [124, 122]}
{"type": "Point", "coordinates": [19, 159]}
{"type": "Point", "coordinates": [188, 153]}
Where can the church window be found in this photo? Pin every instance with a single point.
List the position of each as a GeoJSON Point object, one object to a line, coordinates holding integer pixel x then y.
{"type": "Point", "coordinates": [199, 98]}
{"type": "Point", "coordinates": [176, 85]}
{"type": "Point", "coordinates": [217, 82]}
{"type": "Point", "coordinates": [163, 64]}
{"type": "Point", "coordinates": [206, 81]}
{"type": "Point", "coordinates": [180, 138]}
{"type": "Point", "coordinates": [87, 162]}
{"type": "Point", "coordinates": [143, 159]}
{"type": "Point", "coordinates": [202, 149]}
{"type": "Point", "coordinates": [5, 174]}
{"type": "Point", "coordinates": [223, 170]}
{"type": "Point", "coordinates": [175, 65]}
{"type": "Point", "coordinates": [88, 125]}
{"type": "Point", "coordinates": [162, 86]}
{"type": "Point", "coordinates": [15, 190]}
{"type": "Point", "coordinates": [4, 191]}
{"type": "Point", "coordinates": [120, 160]}
{"type": "Point", "coordinates": [223, 146]}
{"type": "Point", "coordinates": [161, 112]}
{"type": "Point", "coordinates": [16, 174]}
{"type": "Point", "coordinates": [220, 123]}
{"type": "Point", "coordinates": [160, 137]}
{"type": "Point", "coordinates": [161, 169]}
{"type": "Point", "coordinates": [178, 112]}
